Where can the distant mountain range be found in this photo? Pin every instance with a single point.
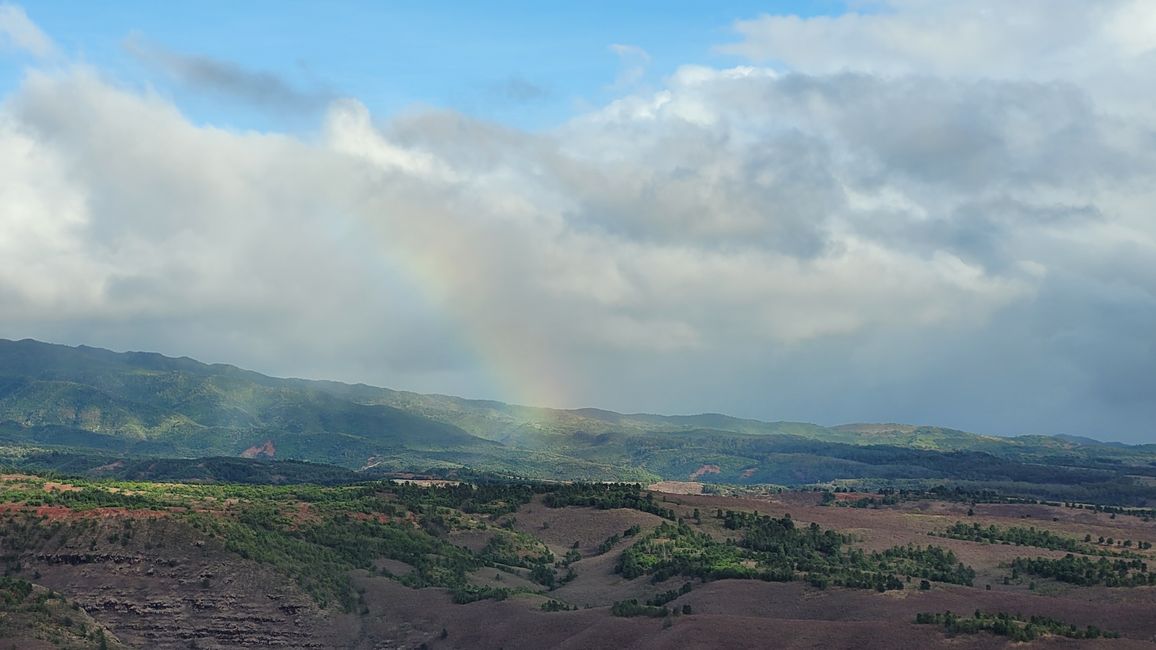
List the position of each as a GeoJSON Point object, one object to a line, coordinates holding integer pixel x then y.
{"type": "Point", "coordinates": [106, 405]}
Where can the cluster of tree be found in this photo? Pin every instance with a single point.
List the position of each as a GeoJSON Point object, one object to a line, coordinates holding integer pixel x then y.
{"type": "Point", "coordinates": [87, 498]}
{"type": "Point", "coordinates": [857, 579]}
{"type": "Point", "coordinates": [1016, 627]}
{"type": "Point", "coordinates": [780, 536]}
{"type": "Point", "coordinates": [775, 549]}
{"type": "Point", "coordinates": [1114, 493]}
{"type": "Point", "coordinates": [1117, 493]}
{"type": "Point", "coordinates": [14, 591]}
{"type": "Point", "coordinates": [609, 542]}
{"type": "Point", "coordinates": [1016, 535]}
{"type": "Point", "coordinates": [557, 606]}
{"type": "Point", "coordinates": [504, 548]}
{"type": "Point", "coordinates": [1123, 543]}
{"type": "Point", "coordinates": [961, 494]}
{"type": "Point", "coordinates": [605, 496]}
{"type": "Point", "coordinates": [665, 597]}
{"type": "Point", "coordinates": [484, 498]}
{"type": "Point", "coordinates": [542, 572]}
{"type": "Point", "coordinates": [677, 549]}
{"type": "Point", "coordinates": [467, 593]}
{"type": "Point", "coordinates": [1147, 514]}
{"type": "Point", "coordinates": [871, 502]}
{"type": "Point", "coordinates": [628, 608]}
{"type": "Point", "coordinates": [830, 499]}
{"type": "Point", "coordinates": [521, 551]}
{"type": "Point", "coordinates": [1081, 570]}
{"type": "Point", "coordinates": [931, 563]}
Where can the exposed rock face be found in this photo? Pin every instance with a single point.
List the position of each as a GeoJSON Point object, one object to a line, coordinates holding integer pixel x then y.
{"type": "Point", "coordinates": [166, 588]}
{"type": "Point", "coordinates": [263, 450]}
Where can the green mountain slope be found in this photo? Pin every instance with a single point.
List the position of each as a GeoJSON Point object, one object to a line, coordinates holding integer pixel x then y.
{"type": "Point", "coordinates": [150, 403]}
{"type": "Point", "coordinates": [88, 400]}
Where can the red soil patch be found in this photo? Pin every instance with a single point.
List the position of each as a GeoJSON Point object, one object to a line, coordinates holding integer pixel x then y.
{"type": "Point", "coordinates": [62, 513]}
{"type": "Point", "coordinates": [60, 487]}
{"type": "Point", "coordinates": [368, 516]}
{"type": "Point", "coordinates": [264, 450]}
{"type": "Point", "coordinates": [703, 470]}
{"type": "Point", "coordinates": [302, 514]}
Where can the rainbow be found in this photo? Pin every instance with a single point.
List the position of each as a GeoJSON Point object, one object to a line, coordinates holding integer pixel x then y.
{"type": "Point", "coordinates": [520, 367]}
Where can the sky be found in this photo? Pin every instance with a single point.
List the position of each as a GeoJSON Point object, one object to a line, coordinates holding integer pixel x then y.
{"type": "Point", "coordinates": [935, 212]}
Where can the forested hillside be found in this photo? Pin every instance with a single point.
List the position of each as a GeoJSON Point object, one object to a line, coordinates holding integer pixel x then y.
{"type": "Point", "coordinates": [83, 408]}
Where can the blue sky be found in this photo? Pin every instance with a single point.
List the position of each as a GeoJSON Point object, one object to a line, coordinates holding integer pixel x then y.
{"type": "Point", "coordinates": [927, 211]}
{"type": "Point", "coordinates": [522, 63]}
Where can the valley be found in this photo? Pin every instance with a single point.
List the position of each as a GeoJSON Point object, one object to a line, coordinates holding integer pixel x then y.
{"type": "Point", "coordinates": [156, 502]}
{"type": "Point", "coordinates": [520, 326]}
{"type": "Point", "coordinates": [520, 565]}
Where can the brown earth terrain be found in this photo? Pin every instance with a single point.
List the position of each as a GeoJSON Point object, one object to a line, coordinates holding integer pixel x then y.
{"type": "Point", "coordinates": [167, 588]}
{"type": "Point", "coordinates": [155, 582]}
{"type": "Point", "coordinates": [676, 487]}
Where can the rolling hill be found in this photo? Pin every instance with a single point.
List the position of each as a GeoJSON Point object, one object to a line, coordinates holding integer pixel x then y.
{"type": "Point", "coordinates": [83, 400]}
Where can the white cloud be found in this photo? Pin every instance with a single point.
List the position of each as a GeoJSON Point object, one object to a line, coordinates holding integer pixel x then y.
{"type": "Point", "coordinates": [889, 242]}
{"type": "Point", "coordinates": [18, 31]}
{"type": "Point", "coordinates": [43, 220]}
{"type": "Point", "coordinates": [633, 62]}
{"type": "Point", "coordinates": [1031, 38]}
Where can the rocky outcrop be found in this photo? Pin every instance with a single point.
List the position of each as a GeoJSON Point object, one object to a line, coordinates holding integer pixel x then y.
{"type": "Point", "coordinates": [164, 588]}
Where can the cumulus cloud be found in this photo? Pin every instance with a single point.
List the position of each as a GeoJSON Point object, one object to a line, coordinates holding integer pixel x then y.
{"type": "Point", "coordinates": [1031, 38]}
{"type": "Point", "coordinates": [1108, 48]}
{"type": "Point", "coordinates": [809, 241]}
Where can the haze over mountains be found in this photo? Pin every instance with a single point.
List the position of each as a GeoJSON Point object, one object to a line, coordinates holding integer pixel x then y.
{"type": "Point", "coordinates": [817, 211]}
{"type": "Point", "coordinates": [96, 404]}
{"type": "Point", "coordinates": [901, 215]}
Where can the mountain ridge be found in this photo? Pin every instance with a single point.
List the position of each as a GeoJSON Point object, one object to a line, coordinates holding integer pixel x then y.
{"type": "Point", "coordinates": [146, 404]}
{"type": "Point", "coordinates": [718, 420]}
